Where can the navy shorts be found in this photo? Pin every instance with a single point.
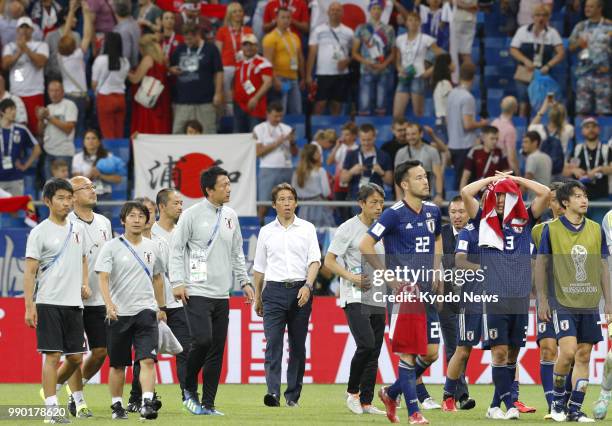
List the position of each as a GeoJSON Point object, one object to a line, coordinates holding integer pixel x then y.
{"type": "Point", "coordinates": [433, 325]}
{"type": "Point", "coordinates": [502, 329]}
{"type": "Point", "coordinates": [470, 328]}
{"type": "Point", "coordinates": [546, 330]}
{"type": "Point", "coordinates": [584, 326]}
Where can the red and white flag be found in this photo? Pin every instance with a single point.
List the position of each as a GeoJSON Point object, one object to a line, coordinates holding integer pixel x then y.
{"type": "Point", "coordinates": [355, 12]}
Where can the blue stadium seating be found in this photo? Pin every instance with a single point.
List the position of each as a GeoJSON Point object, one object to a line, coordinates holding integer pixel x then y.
{"type": "Point", "coordinates": [320, 122]}
{"type": "Point", "coordinates": [298, 122]}
{"type": "Point", "coordinates": [497, 51]}
{"type": "Point", "coordinates": [383, 127]}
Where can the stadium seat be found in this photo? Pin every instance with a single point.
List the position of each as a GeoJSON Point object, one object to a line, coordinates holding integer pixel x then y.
{"type": "Point", "coordinates": [319, 122]}
{"type": "Point", "coordinates": [497, 52]}
{"type": "Point", "coordinates": [298, 122]}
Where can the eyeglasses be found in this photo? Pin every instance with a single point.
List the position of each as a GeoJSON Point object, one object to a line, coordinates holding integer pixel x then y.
{"type": "Point", "coordinates": [92, 187]}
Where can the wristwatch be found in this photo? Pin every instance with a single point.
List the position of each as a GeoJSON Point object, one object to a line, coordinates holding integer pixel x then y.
{"type": "Point", "coordinates": [310, 287]}
{"type": "Point", "coordinates": [243, 285]}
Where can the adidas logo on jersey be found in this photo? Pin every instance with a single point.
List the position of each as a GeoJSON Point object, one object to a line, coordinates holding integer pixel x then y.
{"type": "Point", "coordinates": [409, 226]}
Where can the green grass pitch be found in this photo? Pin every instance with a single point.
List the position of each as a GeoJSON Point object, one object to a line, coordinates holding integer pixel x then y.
{"type": "Point", "coordinates": [243, 405]}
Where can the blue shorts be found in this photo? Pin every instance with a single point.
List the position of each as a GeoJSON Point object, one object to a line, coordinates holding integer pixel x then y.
{"type": "Point", "coordinates": [522, 94]}
{"type": "Point", "coordinates": [268, 178]}
{"type": "Point", "coordinates": [470, 329]}
{"type": "Point", "coordinates": [433, 325]}
{"type": "Point", "coordinates": [508, 330]}
{"type": "Point", "coordinates": [415, 87]}
{"type": "Point", "coordinates": [584, 327]}
{"type": "Point", "coordinates": [546, 330]}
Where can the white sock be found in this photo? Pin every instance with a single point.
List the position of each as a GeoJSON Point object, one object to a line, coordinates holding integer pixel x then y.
{"type": "Point", "coordinates": [147, 395]}
{"type": "Point", "coordinates": [78, 397]}
{"type": "Point", "coordinates": [51, 401]}
{"type": "Point", "coordinates": [117, 399]}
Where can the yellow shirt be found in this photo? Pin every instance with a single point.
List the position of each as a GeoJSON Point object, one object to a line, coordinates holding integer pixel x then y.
{"type": "Point", "coordinates": [286, 47]}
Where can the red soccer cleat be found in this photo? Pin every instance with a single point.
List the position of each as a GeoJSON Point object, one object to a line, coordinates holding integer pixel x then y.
{"type": "Point", "coordinates": [524, 408]}
{"type": "Point", "coordinates": [418, 419]}
{"type": "Point", "coordinates": [390, 405]}
{"type": "Point", "coordinates": [449, 405]}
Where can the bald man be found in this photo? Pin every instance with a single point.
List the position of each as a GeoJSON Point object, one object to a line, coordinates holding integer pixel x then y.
{"type": "Point", "coordinates": [97, 232]}
{"type": "Point", "coordinates": [507, 131]}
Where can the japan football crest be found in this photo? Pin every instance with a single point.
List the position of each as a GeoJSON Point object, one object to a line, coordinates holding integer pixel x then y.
{"type": "Point", "coordinates": [493, 333]}
{"type": "Point", "coordinates": [148, 257]}
{"type": "Point", "coordinates": [470, 335]}
{"type": "Point", "coordinates": [431, 225]}
{"type": "Point", "coordinates": [564, 325]}
{"type": "Point", "coordinates": [542, 327]}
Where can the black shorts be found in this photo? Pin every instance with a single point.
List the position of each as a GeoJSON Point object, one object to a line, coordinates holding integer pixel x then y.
{"type": "Point", "coordinates": [139, 331]}
{"type": "Point", "coordinates": [95, 327]}
{"type": "Point", "coordinates": [60, 329]}
{"type": "Point", "coordinates": [332, 87]}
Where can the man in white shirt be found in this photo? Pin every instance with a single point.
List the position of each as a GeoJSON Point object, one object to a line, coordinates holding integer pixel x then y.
{"type": "Point", "coordinates": [56, 123]}
{"type": "Point", "coordinates": [26, 59]}
{"type": "Point", "coordinates": [330, 47]}
{"type": "Point", "coordinates": [275, 149]}
{"type": "Point", "coordinates": [22, 116]}
{"type": "Point", "coordinates": [288, 259]}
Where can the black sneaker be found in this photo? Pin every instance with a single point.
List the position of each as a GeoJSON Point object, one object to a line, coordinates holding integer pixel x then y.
{"type": "Point", "coordinates": [133, 407]}
{"type": "Point", "coordinates": [467, 404]}
{"type": "Point", "coordinates": [71, 406]}
{"type": "Point", "coordinates": [148, 411]}
{"type": "Point", "coordinates": [579, 416]}
{"type": "Point", "coordinates": [119, 412]}
{"type": "Point", "coordinates": [157, 404]}
{"type": "Point", "coordinates": [56, 420]}
{"type": "Point", "coordinates": [271, 400]}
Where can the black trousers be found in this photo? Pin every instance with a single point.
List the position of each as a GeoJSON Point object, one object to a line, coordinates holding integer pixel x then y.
{"type": "Point", "coordinates": [458, 157]}
{"type": "Point", "coordinates": [367, 325]}
{"type": "Point", "coordinates": [448, 324]}
{"type": "Point", "coordinates": [207, 320]}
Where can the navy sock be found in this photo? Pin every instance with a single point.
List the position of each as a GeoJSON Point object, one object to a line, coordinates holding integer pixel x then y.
{"type": "Point", "coordinates": [514, 385]}
{"type": "Point", "coordinates": [501, 383]}
{"type": "Point", "coordinates": [496, 401]}
{"type": "Point", "coordinates": [577, 396]}
{"type": "Point", "coordinates": [568, 387]}
{"type": "Point", "coordinates": [421, 367]}
{"type": "Point", "coordinates": [546, 376]}
{"type": "Point", "coordinates": [407, 379]}
{"type": "Point", "coordinates": [505, 393]}
{"type": "Point", "coordinates": [559, 382]}
{"type": "Point", "coordinates": [450, 387]}
{"type": "Point", "coordinates": [421, 391]}
{"type": "Point", "coordinates": [395, 389]}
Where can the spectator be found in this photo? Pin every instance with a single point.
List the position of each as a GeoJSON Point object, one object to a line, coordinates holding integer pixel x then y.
{"type": "Point", "coordinates": [85, 164]}
{"type": "Point", "coordinates": [229, 43]}
{"type": "Point", "coordinates": [16, 140]}
{"type": "Point", "coordinates": [324, 140]}
{"type": "Point", "coordinates": [527, 8]}
{"type": "Point", "coordinates": [366, 164]}
{"type": "Point", "coordinates": [25, 59]}
{"type": "Point", "coordinates": [60, 169]}
{"type": "Point", "coordinates": [191, 13]}
{"type": "Point", "coordinates": [104, 19]}
{"type": "Point", "coordinates": [557, 125]}
{"type": "Point", "coordinates": [199, 85]}
{"type": "Point", "coordinates": [442, 85]}
{"type": "Point", "coordinates": [299, 15]}
{"type": "Point", "coordinates": [463, 28]}
{"type": "Point", "coordinates": [275, 149]}
{"type": "Point", "coordinates": [66, 23]}
{"type": "Point", "coordinates": [44, 13]}
{"type": "Point", "coordinates": [429, 157]}
{"type": "Point", "coordinates": [311, 182]}
{"type": "Point", "coordinates": [56, 123]}
{"type": "Point", "coordinates": [534, 46]}
{"type": "Point", "coordinates": [345, 144]}
{"type": "Point", "coordinates": [413, 48]}
{"type": "Point", "coordinates": [435, 21]}
{"type": "Point", "coordinates": [193, 127]}
{"type": "Point", "coordinates": [538, 165]}
{"type": "Point", "coordinates": [373, 48]}
{"type": "Point", "coordinates": [22, 116]}
{"type": "Point", "coordinates": [507, 132]}
{"type": "Point", "coordinates": [591, 38]}
{"type": "Point", "coordinates": [461, 120]}
{"type": "Point", "coordinates": [485, 159]}
{"type": "Point", "coordinates": [283, 48]}
{"type": "Point", "coordinates": [8, 22]}
{"type": "Point", "coordinates": [252, 82]}
{"type": "Point", "coordinates": [128, 29]}
{"type": "Point", "coordinates": [398, 127]}
{"type": "Point", "coordinates": [108, 76]}
{"type": "Point", "coordinates": [149, 17]}
{"type": "Point", "coordinates": [70, 60]}
{"type": "Point", "coordinates": [158, 119]}
{"type": "Point", "coordinates": [330, 47]}
{"type": "Point", "coordinates": [169, 39]}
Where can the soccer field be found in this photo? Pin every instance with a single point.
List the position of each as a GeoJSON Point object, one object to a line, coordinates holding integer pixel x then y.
{"type": "Point", "coordinates": [320, 405]}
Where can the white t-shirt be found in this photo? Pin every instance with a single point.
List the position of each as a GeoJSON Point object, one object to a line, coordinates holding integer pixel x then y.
{"type": "Point", "coordinates": [413, 52]}
{"type": "Point", "coordinates": [109, 81]}
{"type": "Point", "coordinates": [333, 45]}
{"type": "Point", "coordinates": [266, 134]}
{"type": "Point", "coordinates": [548, 37]}
{"type": "Point", "coordinates": [82, 165]}
{"type": "Point", "coordinates": [73, 68]}
{"type": "Point", "coordinates": [440, 97]}
{"type": "Point", "coordinates": [22, 115]}
{"type": "Point", "coordinates": [58, 283]}
{"type": "Point", "coordinates": [56, 142]}
{"type": "Point", "coordinates": [163, 238]}
{"type": "Point", "coordinates": [25, 78]}
{"type": "Point", "coordinates": [461, 15]}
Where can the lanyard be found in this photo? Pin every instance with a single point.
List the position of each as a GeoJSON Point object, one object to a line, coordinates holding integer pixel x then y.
{"type": "Point", "coordinates": [197, 51]}
{"type": "Point", "coordinates": [129, 247]}
{"type": "Point", "coordinates": [414, 52]}
{"type": "Point", "coordinates": [233, 38]}
{"type": "Point", "coordinates": [292, 52]}
{"type": "Point", "coordinates": [272, 130]}
{"type": "Point", "coordinates": [249, 70]}
{"type": "Point", "coordinates": [586, 157]}
{"type": "Point", "coordinates": [168, 44]}
{"type": "Point", "coordinates": [361, 158]}
{"type": "Point", "coordinates": [214, 234]}
{"type": "Point", "coordinates": [59, 254]}
{"type": "Point", "coordinates": [9, 150]}
{"type": "Point", "coordinates": [337, 39]}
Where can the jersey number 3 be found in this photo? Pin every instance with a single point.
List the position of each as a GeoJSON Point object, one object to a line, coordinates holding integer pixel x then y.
{"type": "Point", "coordinates": [509, 243]}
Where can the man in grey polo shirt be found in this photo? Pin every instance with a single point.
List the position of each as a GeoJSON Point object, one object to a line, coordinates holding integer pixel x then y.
{"type": "Point", "coordinates": [205, 250]}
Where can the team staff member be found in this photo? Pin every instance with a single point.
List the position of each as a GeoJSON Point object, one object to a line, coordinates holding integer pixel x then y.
{"type": "Point", "coordinates": [205, 251]}
{"type": "Point", "coordinates": [288, 258]}
{"type": "Point", "coordinates": [366, 322]}
{"type": "Point", "coordinates": [129, 269]}
{"type": "Point", "coordinates": [56, 259]}
{"type": "Point", "coordinates": [97, 232]}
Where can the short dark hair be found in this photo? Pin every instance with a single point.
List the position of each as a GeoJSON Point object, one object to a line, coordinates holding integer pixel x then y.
{"type": "Point", "coordinates": [163, 196]}
{"type": "Point", "coordinates": [53, 185]}
{"type": "Point", "coordinates": [555, 185]}
{"type": "Point", "coordinates": [402, 170]}
{"type": "Point", "coordinates": [456, 199]}
{"type": "Point", "coordinates": [275, 106]}
{"type": "Point", "coordinates": [208, 180]}
{"type": "Point", "coordinates": [6, 104]}
{"type": "Point", "coordinates": [144, 200]}
{"type": "Point", "coordinates": [467, 71]}
{"type": "Point", "coordinates": [282, 9]}
{"type": "Point", "coordinates": [122, 8]}
{"type": "Point", "coordinates": [567, 190]}
{"type": "Point", "coordinates": [398, 121]}
{"type": "Point", "coordinates": [489, 130]}
{"type": "Point", "coordinates": [351, 127]}
{"type": "Point", "coordinates": [283, 187]}
{"type": "Point", "coordinates": [57, 163]}
{"type": "Point", "coordinates": [368, 189]}
{"type": "Point", "coordinates": [194, 124]}
{"type": "Point", "coordinates": [367, 128]}
{"type": "Point", "coordinates": [534, 136]}
{"type": "Point", "coordinates": [131, 205]}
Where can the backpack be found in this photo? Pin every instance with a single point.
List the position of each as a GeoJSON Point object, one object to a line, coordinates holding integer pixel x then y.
{"type": "Point", "coordinates": [552, 146]}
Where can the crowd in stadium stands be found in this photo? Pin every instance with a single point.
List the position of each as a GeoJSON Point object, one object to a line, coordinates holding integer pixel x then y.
{"type": "Point", "coordinates": [473, 86]}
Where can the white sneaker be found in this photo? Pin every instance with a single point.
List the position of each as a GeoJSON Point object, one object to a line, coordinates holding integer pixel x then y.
{"type": "Point", "coordinates": [495, 413]}
{"type": "Point", "coordinates": [600, 408]}
{"type": "Point", "coordinates": [370, 409]}
{"type": "Point", "coordinates": [512, 414]}
{"type": "Point", "coordinates": [558, 416]}
{"type": "Point", "coordinates": [430, 404]}
{"type": "Point", "coordinates": [353, 403]}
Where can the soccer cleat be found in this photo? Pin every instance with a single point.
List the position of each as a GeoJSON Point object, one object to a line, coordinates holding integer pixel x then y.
{"type": "Point", "coordinates": [192, 404]}
{"type": "Point", "coordinates": [212, 411]}
{"type": "Point", "coordinates": [148, 411]}
{"type": "Point", "coordinates": [56, 420]}
{"type": "Point", "coordinates": [557, 412]}
{"type": "Point", "coordinates": [418, 419]}
{"type": "Point", "coordinates": [271, 400]}
{"type": "Point", "coordinates": [119, 412]}
{"type": "Point", "coordinates": [71, 405]}
{"type": "Point", "coordinates": [83, 412]}
{"type": "Point", "coordinates": [513, 413]}
{"type": "Point", "coordinates": [548, 417]}
{"type": "Point", "coordinates": [449, 405]}
{"type": "Point", "coordinates": [524, 408]}
{"type": "Point", "coordinates": [430, 404]}
{"type": "Point", "coordinates": [353, 403]}
{"type": "Point", "coordinates": [495, 413]}
{"type": "Point", "coordinates": [292, 404]}
{"type": "Point", "coordinates": [390, 405]}
{"type": "Point", "coordinates": [600, 407]}
{"type": "Point", "coordinates": [157, 404]}
{"type": "Point", "coordinates": [133, 407]}
{"type": "Point", "coordinates": [580, 417]}
{"type": "Point", "coordinates": [370, 409]}
{"type": "Point", "coordinates": [467, 404]}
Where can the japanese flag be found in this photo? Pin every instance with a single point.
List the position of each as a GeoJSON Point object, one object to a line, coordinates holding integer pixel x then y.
{"type": "Point", "coordinates": [355, 12]}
